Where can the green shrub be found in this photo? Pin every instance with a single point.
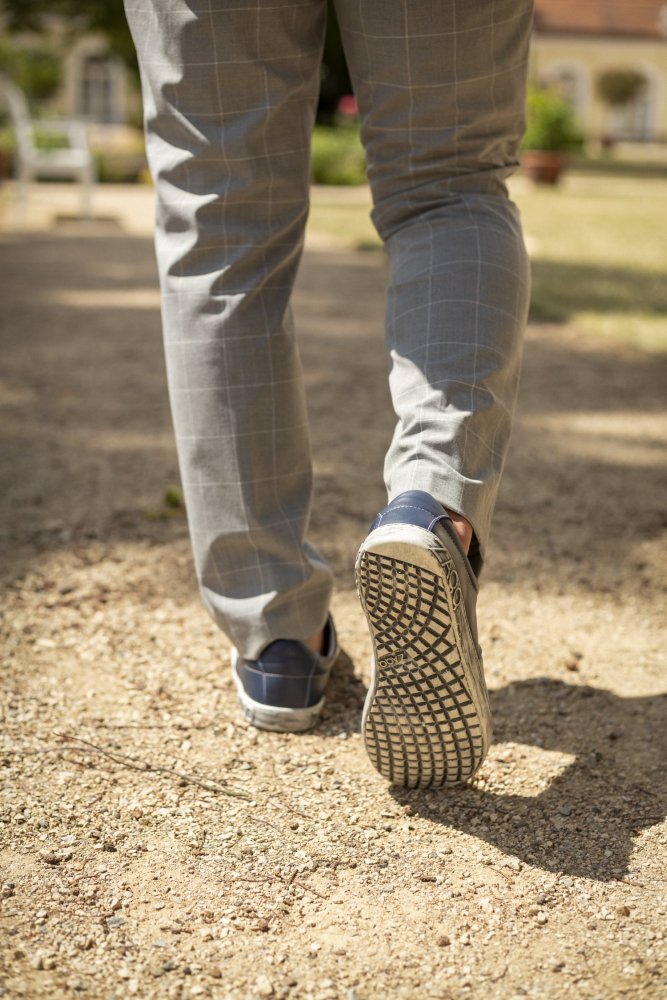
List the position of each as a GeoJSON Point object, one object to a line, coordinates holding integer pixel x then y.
{"type": "Point", "coordinates": [172, 497]}
{"type": "Point", "coordinates": [49, 139]}
{"type": "Point", "coordinates": [126, 166]}
{"type": "Point", "coordinates": [36, 70]}
{"type": "Point", "coordinates": [337, 156]}
{"type": "Point", "coordinates": [119, 168]}
{"type": "Point", "coordinates": [551, 123]}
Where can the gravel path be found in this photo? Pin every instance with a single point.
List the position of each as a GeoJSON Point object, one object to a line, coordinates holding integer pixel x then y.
{"type": "Point", "coordinates": [153, 845]}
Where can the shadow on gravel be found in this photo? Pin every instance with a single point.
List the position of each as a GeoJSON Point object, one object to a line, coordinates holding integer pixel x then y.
{"type": "Point", "coordinates": [345, 700]}
{"type": "Point", "coordinates": [561, 290]}
{"type": "Point", "coordinates": [87, 432]}
{"type": "Point", "coordinates": [585, 821]}
{"type": "Point", "coordinates": [88, 450]}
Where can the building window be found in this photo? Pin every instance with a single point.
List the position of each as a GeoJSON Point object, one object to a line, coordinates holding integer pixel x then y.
{"type": "Point", "coordinates": [630, 94]}
{"type": "Point", "coordinates": [571, 82]}
{"type": "Point", "coordinates": [97, 95]}
{"type": "Point", "coordinates": [632, 121]}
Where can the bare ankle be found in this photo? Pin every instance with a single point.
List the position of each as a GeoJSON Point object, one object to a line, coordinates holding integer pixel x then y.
{"type": "Point", "coordinates": [463, 529]}
{"type": "Point", "coordinates": [315, 642]}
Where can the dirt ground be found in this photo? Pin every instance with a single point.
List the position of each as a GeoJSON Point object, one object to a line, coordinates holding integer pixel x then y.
{"type": "Point", "coordinates": [153, 845]}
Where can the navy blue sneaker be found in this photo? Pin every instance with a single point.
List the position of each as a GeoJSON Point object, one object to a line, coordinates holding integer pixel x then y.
{"type": "Point", "coordinates": [283, 689]}
{"type": "Point", "coordinates": [426, 720]}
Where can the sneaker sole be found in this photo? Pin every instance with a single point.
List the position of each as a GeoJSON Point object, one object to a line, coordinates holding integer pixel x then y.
{"type": "Point", "coordinates": [271, 718]}
{"type": "Point", "coordinates": [426, 720]}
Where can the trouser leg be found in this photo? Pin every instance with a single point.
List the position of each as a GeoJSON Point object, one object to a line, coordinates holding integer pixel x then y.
{"type": "Point", "coordinates": [229, 96]}
{"type": "Point", "coordinates": [440, 84]}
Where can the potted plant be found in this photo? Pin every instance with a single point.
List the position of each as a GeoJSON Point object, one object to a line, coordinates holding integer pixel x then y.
{"type": "Point", "coordinates": [551, 133]}
{"type": "Point", "coordinates": [618, 89]}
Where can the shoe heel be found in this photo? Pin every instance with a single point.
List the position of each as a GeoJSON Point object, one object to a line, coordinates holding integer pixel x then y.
{"type": "Point", "coordinates": [426, 721]}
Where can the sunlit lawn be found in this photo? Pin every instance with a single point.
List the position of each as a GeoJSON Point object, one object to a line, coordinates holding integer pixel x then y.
{"type": "Point", "coordinates": [598, 245]}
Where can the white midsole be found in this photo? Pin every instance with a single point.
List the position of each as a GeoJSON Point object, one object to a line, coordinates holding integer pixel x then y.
{"type": "Point", "coordinates": [419, 547]}
{"type": "Point", "coordinates": [407, 542]}
{"type": "Point", "coordinates": [273, 717]}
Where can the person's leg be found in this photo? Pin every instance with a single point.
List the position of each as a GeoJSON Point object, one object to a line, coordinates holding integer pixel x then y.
{"type": "Point", "coordinates": [229, 96]}
{"type": "Point", "coordinates": [440, 85]}
{"type": "Point", "coordinates": [441, 89]}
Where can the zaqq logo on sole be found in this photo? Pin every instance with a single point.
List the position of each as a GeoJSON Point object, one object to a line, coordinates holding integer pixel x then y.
{"type": "Point", "coordinates": [395, 660]}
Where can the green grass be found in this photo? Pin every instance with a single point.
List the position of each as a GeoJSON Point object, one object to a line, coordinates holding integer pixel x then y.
{"type": "Point", "coordinates": [597, 245]}
{"type": "Point", "coordinates": [172, 506]}
{"type": "Point", "coordinates": [600, 256]}
{"type": "Point", "coordinates": [337, 156]}
{"type": "Point", "coordinates": [342, 214]}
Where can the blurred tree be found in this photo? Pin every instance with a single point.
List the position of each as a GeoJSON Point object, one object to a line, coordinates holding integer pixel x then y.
{"type": "Point", "coordinates": [36, 69]}
{"type": "Point", "coordinates": [618, 87]}
{"type": "Point", "coordinates": [78, 16]}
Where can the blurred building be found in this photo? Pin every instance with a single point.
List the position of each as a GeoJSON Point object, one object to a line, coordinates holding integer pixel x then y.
{"type": "Point", "coordinates": [92, 83]}
{"type": "Point", "coordinates": [66, 72]}
{"type": "Point", "coordinates": [95, 85]}
{"type": "Point", "coordinates": [576, 42]}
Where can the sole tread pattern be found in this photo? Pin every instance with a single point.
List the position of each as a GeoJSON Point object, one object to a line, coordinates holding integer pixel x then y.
{"type": "Point", "coordinates": [421, 726]}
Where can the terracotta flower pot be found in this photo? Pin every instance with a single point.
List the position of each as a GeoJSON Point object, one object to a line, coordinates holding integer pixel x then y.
{"type": "Point", "coordinates": [5, 165]}
{"type": "Point", "coordinates": [543, 166]}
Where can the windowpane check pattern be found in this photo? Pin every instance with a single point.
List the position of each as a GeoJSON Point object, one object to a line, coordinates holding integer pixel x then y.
{"type": "Point", "coordinates": [230, 90]}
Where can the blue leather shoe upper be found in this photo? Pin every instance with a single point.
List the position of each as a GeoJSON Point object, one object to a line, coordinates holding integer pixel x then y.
{"type": "Point", "coordinates": [287, 674]}
{"type": "Point", "coordinates": [421, 509]}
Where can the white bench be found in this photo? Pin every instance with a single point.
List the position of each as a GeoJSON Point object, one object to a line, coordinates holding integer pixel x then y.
{"type": "Point", "coordinates": [73, 161]}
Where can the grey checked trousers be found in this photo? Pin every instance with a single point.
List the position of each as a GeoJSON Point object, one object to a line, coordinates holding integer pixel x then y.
{"type": "Point", "coordinates": [230, 89]}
